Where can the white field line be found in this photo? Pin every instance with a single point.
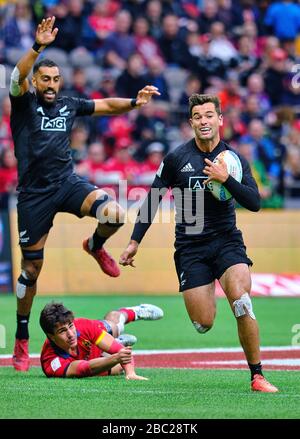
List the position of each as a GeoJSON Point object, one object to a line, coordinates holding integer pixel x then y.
{"type": "Point", "coordinates": [192, 351]}
{"type": "Point", "coordinates": [273, 362]}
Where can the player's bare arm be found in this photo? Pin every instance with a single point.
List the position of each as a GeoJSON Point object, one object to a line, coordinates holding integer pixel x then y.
{"type": "Point", "coordinates": [216, 171]}
{"type": "Point", "coordinates": [45, 35]}
{"type": "Point", "coordinates": [111, 106]}
{"type": "Point", "coordinates": [127, 257]}
{"type": "Point", "coordinates": [101, 364]}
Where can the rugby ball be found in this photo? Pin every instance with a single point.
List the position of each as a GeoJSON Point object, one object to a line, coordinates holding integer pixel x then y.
{"type": "Point", "coordinates": [234, 168]}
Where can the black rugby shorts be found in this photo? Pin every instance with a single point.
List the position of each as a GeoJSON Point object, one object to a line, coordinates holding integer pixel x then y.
{"type": "Point", "coordinates": [36, 211]}
{"type": "Point", "coordinates": [200, 263]}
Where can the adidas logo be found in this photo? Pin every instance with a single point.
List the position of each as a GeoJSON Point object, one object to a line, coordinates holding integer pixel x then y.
{"type": "Point", "coordinates": [187, 168]}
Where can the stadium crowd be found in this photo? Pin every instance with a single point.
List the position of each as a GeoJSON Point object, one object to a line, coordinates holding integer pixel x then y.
{"type": "Point", "coordinates": [247, 52]}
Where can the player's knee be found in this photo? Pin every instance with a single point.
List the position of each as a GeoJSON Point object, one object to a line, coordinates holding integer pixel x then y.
{"type": "Point", "coordinates": [112, 316]}
{"type": "Point", "coordinates": [243, 307]}
{"type": "Point", "coordinates": [115, 214]}
{"type": "Point", "coordinates": [203, 327]}
{"type": "Point", "coordinates": [27, 279]}
{"type": "Point", "coordinates": [108, 212]}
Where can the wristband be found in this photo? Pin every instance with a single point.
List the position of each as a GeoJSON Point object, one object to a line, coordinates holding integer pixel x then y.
{"type": "Point", "coordinates": [36, 47]}
{"type": "Point", "coordinates": [133, 103]}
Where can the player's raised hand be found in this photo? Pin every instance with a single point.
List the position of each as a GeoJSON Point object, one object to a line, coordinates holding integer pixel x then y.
{"type": "Point", "coordinates": [145, 95]}
{"type": "Point", "coordinates": [45, 34]}
{"type": "Point", "coordinates": [126, 257]}
{"type": "Point", "coordinates": [216, 171]}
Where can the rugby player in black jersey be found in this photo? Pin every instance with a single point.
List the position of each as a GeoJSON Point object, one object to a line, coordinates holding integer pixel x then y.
{"type": "Point", "coordinates": [41, 124]}
{"type": "Point", "coordinates": [208, 244]}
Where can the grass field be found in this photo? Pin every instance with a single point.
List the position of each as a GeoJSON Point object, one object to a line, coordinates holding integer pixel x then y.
{"type": "Point", "coordinates": [169, 393]}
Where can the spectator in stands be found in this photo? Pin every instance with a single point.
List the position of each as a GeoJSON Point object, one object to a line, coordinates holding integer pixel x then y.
{"type": "Point", "coordinates": [145, 44]}
{"type": "Point", "coordinates": [107, 87]}
{"type": "Point", "coordinates": [246, 62]}
{"type": "Point", "coordinates": [267, 150]}
{"type": "Point", "coordinates": [269, 198]}
{"type": "Point", "coordinates": [274, 76]}
{"type": "Point", "coordinates": [230, 13]}
{"type": "Point", "coordinates": [156, 77]}
{"type": "Point", "coordinates": [5, 130]}
{"type": "Point", "coordinates": [293, 162]}
{"type": "Point", "coordinates": [155, 152]}
{"type": "Point", "coordinates": [207, 67]}
{"type": "Point", "coordinates": [193, 85]}
{"type": "Point", "coordinates": [119, 45]}
{"type": "Point", "coordinates": [92, 168]}
{"type": "Point", "coordinates": [154, 16]}
{"type": "Point", "coordinates": [172, 43]}
{"type": "Point", "coordinates": [78, 88]}
{"type": "Point", "coordinates": [256, 86]}
{"type": "Point", "coordinates": [8, 171]}
{"type": "Point", "coordinates": [252, 109]}
{"type": "Point", "coordinates": [231, 95]}
{"type": "Point", "coordinates": [69, 19]}
{"type": "Point", "coordinates": [19, 29]}
{"type": "Point", "coordinates": [102, 19]}
{"type": "Point", "coordinates": [233, 127]}
{"type": "Point", "coordinates": [122, 166]}
{"type": "Point", "coordinates": [78, 142]}
{"type": "Point", "coordinates": [133, 77]}
{"type": "Point", "coordinates": [220, 46]}
{"type": "Point", "coordinates": [283, 19]}
{"type": "Point", "coordinates": [208, 16]}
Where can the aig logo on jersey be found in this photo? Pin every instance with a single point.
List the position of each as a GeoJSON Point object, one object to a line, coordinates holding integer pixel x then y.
{"type": "Point", "coordinates": [56, 124]}
{"type": "Point", "coordinates": [197, 183]}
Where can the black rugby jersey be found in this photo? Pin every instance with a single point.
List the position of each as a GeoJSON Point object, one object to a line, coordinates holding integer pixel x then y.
{"type": "Point", "coordinates": [41, 136]}
{"type": "Point", "coordinates": [199, 215]}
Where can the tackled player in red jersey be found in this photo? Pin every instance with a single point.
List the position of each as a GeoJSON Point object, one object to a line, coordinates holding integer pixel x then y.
{"type": "Point", "coordinates": [78, 347]}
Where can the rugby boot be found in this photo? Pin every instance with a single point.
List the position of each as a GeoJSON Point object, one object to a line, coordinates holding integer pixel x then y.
{"type": "Point", "coordinates": [127, 339]}
{"type": "Point", "coordinates": [146, 311]}
{"type": "Point", "coordinates": [260, 384]}
{"type": "Point", "coordinates": [20, 359]}
{"type": "Point", "coordinates": [107, 264]}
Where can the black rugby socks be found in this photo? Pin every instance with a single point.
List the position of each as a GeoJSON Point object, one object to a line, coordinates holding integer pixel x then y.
{"type": "Point", "coordinates": [22, 327]}
{"type": "Point", "coordinates": [97, 241]}
{"type": "Point", "coordinates": [255, 369]}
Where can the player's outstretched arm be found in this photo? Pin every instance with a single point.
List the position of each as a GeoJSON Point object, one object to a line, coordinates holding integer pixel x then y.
{"type": "Point", "coordinates": [83, 368]}
{"type": "Point", "coordinates": [45, 35]}
{"type": "Point", "coordinates": [111, 106]}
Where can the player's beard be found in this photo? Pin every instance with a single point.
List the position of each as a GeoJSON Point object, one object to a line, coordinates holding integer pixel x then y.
{"type": "Point", "coordinates": [45, 102]}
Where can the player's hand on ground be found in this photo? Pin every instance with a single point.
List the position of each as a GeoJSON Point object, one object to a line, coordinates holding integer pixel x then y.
{"type": "Point", "coordinates": [216, 171]}
{"type": "Point", "coordinates": [125, 355]}
{"type": "Point", "coordinates": [145, 95]}
{"type": "Point", "coordinates": [134, 376]}
{"type": "Point", "coordinates": [127, 257]}
{"type": "Point", "coordinates": [45, 33]}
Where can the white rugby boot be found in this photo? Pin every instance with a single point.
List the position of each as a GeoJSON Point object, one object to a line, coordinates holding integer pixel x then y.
{"type": "Point", "coordinates": [146, 311]}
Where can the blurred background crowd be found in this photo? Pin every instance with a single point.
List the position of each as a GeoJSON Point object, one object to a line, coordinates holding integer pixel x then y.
{"type": "Point", "coordinates": [247, 52]}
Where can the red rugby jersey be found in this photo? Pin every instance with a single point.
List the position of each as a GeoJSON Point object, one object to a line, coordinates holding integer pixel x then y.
{"type": "Point", "coordinates": [55, 361]}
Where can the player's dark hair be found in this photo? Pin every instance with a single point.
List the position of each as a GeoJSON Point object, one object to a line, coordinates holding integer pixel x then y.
{"type": "Point", "coordinates": [52, 314]}
{"type": "Point", "coordinates": [44, 63]}
{"type": "Point", "coordinates": [197, 99]}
